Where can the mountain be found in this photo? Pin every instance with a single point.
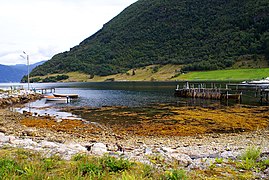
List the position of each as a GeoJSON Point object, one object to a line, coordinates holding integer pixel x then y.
{"type": "Point", "coordinates": [197, 34]}
{"type": "Point", "coordinates": [8, 74]}
{"type": "Point", "coordinates": [23, 67]}
{"type": "Point", "coordinates": [14, 73]}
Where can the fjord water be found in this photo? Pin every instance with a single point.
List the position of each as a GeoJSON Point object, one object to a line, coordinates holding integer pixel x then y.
{"type": "Point", "coordinates": [131, 94]}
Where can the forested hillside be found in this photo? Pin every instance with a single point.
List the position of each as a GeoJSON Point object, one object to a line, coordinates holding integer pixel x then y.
{"type": "Point", "coordinates": [199, 34]}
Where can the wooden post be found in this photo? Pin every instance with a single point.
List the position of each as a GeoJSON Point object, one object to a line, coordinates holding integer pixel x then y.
{"type": "Point", "coordinates": [261, 96]}
{"type": "Point", "coordinates": [266, 97]}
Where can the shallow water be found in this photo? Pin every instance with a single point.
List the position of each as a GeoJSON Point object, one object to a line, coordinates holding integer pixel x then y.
{"type": "Point", "coordinates": [130, 94]}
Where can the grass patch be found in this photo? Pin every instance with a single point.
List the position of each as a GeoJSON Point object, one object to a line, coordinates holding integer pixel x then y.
{"type": "Point", "coordinates": [225, 75]}
{"type": "Point", "coordinates": [250, 160]}
{"type": "Point", "coordinates": [22, 164]}
{"type": "Point", "coordinates": [252, 153]}
{"type": "Point", "coordinates": [176, 174]}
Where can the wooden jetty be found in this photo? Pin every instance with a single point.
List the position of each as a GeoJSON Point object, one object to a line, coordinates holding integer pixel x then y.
{"type": "Point", "coordinates": [261, 91]}
{"type": "Point", "coordinates": [44, 90]}
{"type": "Point", "coordinates": [207, 93]}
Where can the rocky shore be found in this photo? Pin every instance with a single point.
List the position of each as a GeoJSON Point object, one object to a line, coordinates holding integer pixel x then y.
{"type": "Point", "coordinates": [191, 152]}
{"type": "Point", "coordinates": [9, 99]}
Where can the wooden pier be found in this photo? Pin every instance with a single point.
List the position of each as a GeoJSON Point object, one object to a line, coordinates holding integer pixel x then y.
{"type": "Point", "coordinates": [261, 91]}
{"type": "Point", "coordinates": [44, 90]}
{"type": "Point", "coordinates": [207, 93]}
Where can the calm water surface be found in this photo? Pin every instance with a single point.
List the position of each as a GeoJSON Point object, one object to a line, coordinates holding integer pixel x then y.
{"type": "Point", "coordinates": [117, 93]}
{"type": "Point", "coordinates": [131, 94]}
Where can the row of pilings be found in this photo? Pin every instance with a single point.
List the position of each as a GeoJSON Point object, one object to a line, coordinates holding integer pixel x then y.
{"type": "Point", "coordinates": [199, 93]}
{"type": "Point", "coordinates": [206, 93]}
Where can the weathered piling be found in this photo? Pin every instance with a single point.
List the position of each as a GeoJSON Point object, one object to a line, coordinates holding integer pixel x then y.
{"type": "Point", "coordinates": [206, 93]}
{"type": "Point", "coordinates": [199, 93]}
{"type": "Point", "coordinates": [264, 96]}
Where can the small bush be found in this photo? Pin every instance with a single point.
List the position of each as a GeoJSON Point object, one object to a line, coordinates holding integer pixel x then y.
{"type": "Point", "coordinates": [89, 169]}
{"type": "Point", "coordinates": [252, 153]}
{"type": "Point", "coordinates": [48, 164]}
{"type": "Point", "coordinates": [115, 165]}
{"type": "Point", "coordinates": [8, 166]}
{"type": "Point", "coordinates": [247, 164]}
{"type": "Point", "coordinates": [219, 160]}
{"type": "Point", "coordinates": [79, 157]}
{"type": "Point", "coordinates": [147, 171]}
{"type": "Point", "coordinates": [176, 175]}
{"type": "Point", "coordinates": [264, 164]}
{"type": "Point", "coordinates": [130, 176]}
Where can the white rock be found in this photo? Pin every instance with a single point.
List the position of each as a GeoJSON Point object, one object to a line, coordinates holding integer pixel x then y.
{"type": "Point", "coordinates": [77, 147]}
{"type": "Point", "coordinates": [46, 144]}
{"type": "Point", "coordinates": [99, 149]}
{"type": "Point", "coordinates": [229, 154]}
{"type": "Point", "coordinates": [183, 159]}
{"type": "Point", "coordinates": [3, 138]}
{"type": "Point", "coordinates": [201, 163]}
{"type": "Point", "coordinates": [167, 150]}
{"type": "Point", "coordinates": [148, 151]}
{"type": "Point", "coordinates": [24, 142]}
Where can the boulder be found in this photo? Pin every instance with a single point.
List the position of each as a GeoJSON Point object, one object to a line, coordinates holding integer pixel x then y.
{"type": "Point", "coordinates": [99, 149]}
{"type": "Point", "coordinates": [24, 142]}
{"type": "Point", "coordinates": [229, 155]}
{"type": "Point", "coordinates": [77, 147]}
{"type": "Point", "coordinates": [47, 144]}
{"type": "Point", "coordinates": [3, 138]}
{"type": "Point", "coordinates": [182, 159]}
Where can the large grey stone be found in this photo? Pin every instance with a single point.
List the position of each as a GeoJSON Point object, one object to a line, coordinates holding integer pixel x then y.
{"type": "Point", "coordinates": [24, 142]}
{"type": "Point", "coordinates": [99, 149]}
{"type": "Point", "coordinates": [76, 147]}
{"type": "Point", "coordinates": [182, 159]}
{"type": "Point", "coordinates": [47, 144]}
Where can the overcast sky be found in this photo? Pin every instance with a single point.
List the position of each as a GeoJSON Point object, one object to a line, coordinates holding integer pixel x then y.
{"type": "Point", "coordinates": [43, 28]}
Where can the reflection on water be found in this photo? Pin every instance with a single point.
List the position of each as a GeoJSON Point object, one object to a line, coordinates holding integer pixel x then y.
{"type": "Point", "coordinates": [42, 108]}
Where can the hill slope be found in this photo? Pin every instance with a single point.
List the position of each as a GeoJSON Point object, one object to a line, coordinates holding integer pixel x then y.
{"type": "Point", "coordinates": [199, 34]}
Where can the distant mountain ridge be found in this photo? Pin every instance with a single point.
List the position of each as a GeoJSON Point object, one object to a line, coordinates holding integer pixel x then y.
{"type": "Point", "coordinates": [14, 73]}
{"type": "Point", "coordinates": [197, 34]}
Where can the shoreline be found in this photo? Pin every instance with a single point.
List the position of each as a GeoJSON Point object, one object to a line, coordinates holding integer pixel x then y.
{"type": "Point", "coordinates": [198, 151]}
{"type": "Point", "coordinates": [201, 145]}
{"type": "Point", "coordinates": [22, 97]}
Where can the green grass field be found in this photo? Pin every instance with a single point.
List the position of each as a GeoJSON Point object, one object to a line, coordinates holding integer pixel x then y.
{"type": "Point", "coordinates": [226, 75]}
{"type": "Point", "coordinates": [170, 73]}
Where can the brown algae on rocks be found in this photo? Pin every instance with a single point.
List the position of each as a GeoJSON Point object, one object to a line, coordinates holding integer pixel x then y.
{"type": "Point", "coordinates": [161, 120]}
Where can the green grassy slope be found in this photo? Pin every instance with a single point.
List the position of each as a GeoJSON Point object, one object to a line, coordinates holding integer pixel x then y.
{"type": "Point", "coordinates": [226, 75]}
{"type": "Point", "coordinates": [170, 73]}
